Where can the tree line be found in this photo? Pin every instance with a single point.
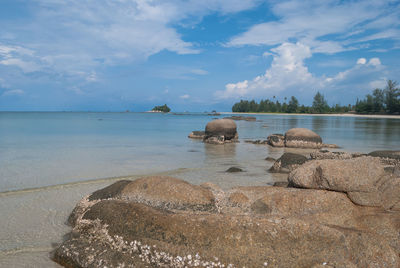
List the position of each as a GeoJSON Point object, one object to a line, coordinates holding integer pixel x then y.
{"type": "Point", "coordinates": [382, 101]}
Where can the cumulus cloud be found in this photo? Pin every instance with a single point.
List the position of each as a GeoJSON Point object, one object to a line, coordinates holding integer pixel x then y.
{"type": "Point", "coordinates": [361, 61]}
{"type": "Point", "coordinates": [288, 73]}
{"type": "Point", "coordinates": [287, 70]}
{"type": "Point", "coordinates": [311, 22]}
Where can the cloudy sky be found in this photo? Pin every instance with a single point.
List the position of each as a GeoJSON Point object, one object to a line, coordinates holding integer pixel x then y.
{"type": "Point", "coordinates": [113, 55]}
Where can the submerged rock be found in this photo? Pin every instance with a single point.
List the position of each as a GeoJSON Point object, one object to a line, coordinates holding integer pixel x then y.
{"type": "Point", "coordinates": [155, 223]}
{"type": "Point", "coordinates": [234, 169]}
{"type": "Point", "coordinates": [288, 162]}
{"type": "Point", "coordinates": [220, 131]}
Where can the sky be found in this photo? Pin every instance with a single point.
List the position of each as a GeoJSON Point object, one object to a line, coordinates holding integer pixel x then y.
{"type": "Point", "coordinates": [117, 55]}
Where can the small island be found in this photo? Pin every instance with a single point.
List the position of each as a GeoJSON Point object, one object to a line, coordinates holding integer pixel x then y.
{"type": "Point", "coordinates": [161, 109]}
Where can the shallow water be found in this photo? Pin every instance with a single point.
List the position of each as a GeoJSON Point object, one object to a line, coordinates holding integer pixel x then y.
{"type": "Point", "coordinates": [60, 157]}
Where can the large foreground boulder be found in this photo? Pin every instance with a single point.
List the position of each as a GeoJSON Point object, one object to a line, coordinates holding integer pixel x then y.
{"type": "Point", "coordinates": [151, 223]}
{"type": "Point", "coordinates": [220, 131]}
{"type": "Point", "coordinates": [302, 138]}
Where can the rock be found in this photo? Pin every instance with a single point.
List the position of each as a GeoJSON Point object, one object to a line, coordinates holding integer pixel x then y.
{"type": "Point", "coordinates": [363, 179]}
{"type": "Point", "coordinates": [245, 118]}
{"type": "Point", "coordinates": [276, 140]}
{"type": "Point", "coordinates": [281, 184]}
{"type": "Point", "coordinates": [328, 145]}
{"type": "Point", "coordinates": [234, 169]}
{"type": "Point", "coordinates": [252, 227]}
{"type": "Point", "coordinates": [197, 135]}
{"type": "Point", "coordinates": [302, 138]}
{"type": "Point", "coordinates": [270, 159]}
{"type": "Point", "coordinates": [256, 141]}
{"type": "Point", "coordinates": [325, 154]}
{"type": "Point", "coordinates": [288, 162]}
{"type": "Point", "coordinates": [168, 193]}
{"type": "Point", "coordinates": [386, 154]}
{"type": "Point", "coordinates": [220, 131]}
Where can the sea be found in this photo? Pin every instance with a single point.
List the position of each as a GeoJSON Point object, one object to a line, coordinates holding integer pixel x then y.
{"type": "Point", "coordinates": [50, 160]}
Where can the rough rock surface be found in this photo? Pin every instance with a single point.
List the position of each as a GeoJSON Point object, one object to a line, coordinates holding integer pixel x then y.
{"type": "Point", "coordinates": [220, 131]}
{"type": "Point", "coordinates": [276, 140]}
{"type": "Point", "coordinates": [197, 135]}
{"type": "Point", "coordinates": [302, 138]}
{"type": "Point", "coordinates": [128, 224]}
{"type": "Point", "coordinates": [288, 162]}
{"type": "Point", "coordinates": [363, 179]}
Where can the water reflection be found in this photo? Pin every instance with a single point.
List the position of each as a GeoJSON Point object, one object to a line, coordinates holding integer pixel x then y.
{"type": "Point", "coordinates": [213, 151]}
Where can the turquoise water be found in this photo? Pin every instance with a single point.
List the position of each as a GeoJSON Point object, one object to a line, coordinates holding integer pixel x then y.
{"type": "Point", "coordinates": [49, 161]}
{"type": "Point", "coordinates": [40, 149]}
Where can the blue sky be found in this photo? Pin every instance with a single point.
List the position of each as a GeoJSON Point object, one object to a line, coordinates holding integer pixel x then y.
{"type": "Point", "coordinates": [113, 55]}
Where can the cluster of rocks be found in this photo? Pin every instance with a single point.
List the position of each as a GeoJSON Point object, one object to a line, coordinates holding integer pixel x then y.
{"type": "Point", "coordinates": [218, 131]}
{"type": "Point", "coordinates": [335, 213]}
{"type": "Point", "coordinates": [290, 161]}
{"type": "Point", "coordinates": [298, 138]}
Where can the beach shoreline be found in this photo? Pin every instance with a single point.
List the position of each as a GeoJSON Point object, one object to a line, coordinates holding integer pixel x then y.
{"type": "Point", "coordinates": [330, 115]}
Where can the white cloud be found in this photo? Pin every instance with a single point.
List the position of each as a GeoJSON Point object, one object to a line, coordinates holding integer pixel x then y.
{"type": "Point", "coordinates": [26, 66]}
{"type": "Point", "coordinates": [82, 35]}
{"type": "Point", "coordinates": [287, 70]}
{"type": "Point", "coordinates": [288, 73]}
{"type": "Point", "coordinates": [361, 61]}
{"type": "Point", "coordinates": [185, 97]}
{"type": "Point", "coordinates": [13, 92]}
{"type": "Point", "coordinates": [312, 22]}
{"type": "Point", "coordinates": [374, 61]}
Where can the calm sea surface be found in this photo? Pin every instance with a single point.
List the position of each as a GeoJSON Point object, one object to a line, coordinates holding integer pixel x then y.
{"type": "Point", "coordinates": [48, 161]}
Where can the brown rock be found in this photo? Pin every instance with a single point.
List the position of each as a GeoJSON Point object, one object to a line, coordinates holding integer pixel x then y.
{"type": "Point", "coordinates": [302, 138]}
{"type": "Point", "coordinates": [168, 192]}
{"type": "Point", "coordinates": [363, 179]}
{"type": "Point", "coordinates": [221, 127]}
{"type": "Point", "coordinates": [276, 140]}
{"type": "Point", "coordinates": [253, 227]}
{"type": "Point", "coordinates": [288, 162]}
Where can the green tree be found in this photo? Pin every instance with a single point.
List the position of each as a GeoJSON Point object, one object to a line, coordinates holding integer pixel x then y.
{"type": "Point", "coordinates": [378, 99]}
{"type": "Point", "coordinates": [392, 100]}
{"type": "Point", "coordinates": [320, 105]}
{"type": "Point", "coordinates": [293, 105]}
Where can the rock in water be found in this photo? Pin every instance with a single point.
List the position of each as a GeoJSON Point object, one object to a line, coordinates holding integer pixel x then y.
{"type": "Point", "coordinates": [276, 140]}
{"type": "Point", "coordinates": [220, 131]}
{"type": "Point", "coordinates": [302, 138]}
{"type": "Point", "coordinates": [234, 169]}
{"type": "Point", "coordinates": [288, 162]}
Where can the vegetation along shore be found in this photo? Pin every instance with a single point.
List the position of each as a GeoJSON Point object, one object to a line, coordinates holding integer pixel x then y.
{"type": "Point", "coordinates": [382, 101]}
